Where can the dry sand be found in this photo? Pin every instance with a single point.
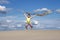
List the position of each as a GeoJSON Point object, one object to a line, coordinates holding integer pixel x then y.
{"type": "Point", "coordinates": [30, 35]}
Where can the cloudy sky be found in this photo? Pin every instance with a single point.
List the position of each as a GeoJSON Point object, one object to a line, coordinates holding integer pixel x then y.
{"type": "Point", "coordinates": [11, 15]}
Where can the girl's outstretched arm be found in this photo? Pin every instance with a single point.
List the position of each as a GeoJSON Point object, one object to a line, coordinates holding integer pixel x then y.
{"type": "Point", "coordinates": [25, 15]}
{"type": "Point", "coordinates": [33, 16]}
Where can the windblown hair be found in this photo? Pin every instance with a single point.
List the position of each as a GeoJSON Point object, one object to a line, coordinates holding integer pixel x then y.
{"type": "Point", "coordinates": [28, 14]}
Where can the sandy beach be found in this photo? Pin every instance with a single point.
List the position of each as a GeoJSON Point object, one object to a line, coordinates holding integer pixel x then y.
{"type": "Point", "coordinates": [30, 35]}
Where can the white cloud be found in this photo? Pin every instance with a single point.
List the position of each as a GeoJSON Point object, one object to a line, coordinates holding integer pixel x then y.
{"type": "Point", "coordinates": [58, 10]}
{"type": "Point", "coordinates": [12, 26]}
{"type": "Point", "coordinates": [52, 23]}
{"type": "Point", "coordinates": [2, 8]}
{"type": "Point", "coordinates": [19, 25]}
{"type": "Point", "coordinates": [48, 24]}
{"type": "Point", "coordinates": [4, 2]}
{"type": "Point", "coordinates": [35, 22]}
{"type": "Point", "coordinates": [38, 24]}
{"type": "Point", "coordinates": [43, 9]}
{"type": "Point", "coordinates": [37, 10]}
{"type": "Point", "coordinates": [8, 20]}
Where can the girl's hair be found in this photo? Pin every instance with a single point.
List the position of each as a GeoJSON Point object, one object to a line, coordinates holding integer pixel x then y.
{"type": "Point", "coordinates": [29, 14]}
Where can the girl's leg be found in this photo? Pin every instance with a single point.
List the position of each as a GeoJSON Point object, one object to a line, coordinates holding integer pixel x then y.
{"type": "Point", "coordinates": [31, 26]}
{"type": "Point", "coordinates": [26, 26]}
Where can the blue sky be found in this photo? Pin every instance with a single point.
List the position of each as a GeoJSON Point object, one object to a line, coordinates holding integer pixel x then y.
{"type": "Point", "coordinates": [30, 5]}
{"type": "Point", "coordinates": [14, 8]}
